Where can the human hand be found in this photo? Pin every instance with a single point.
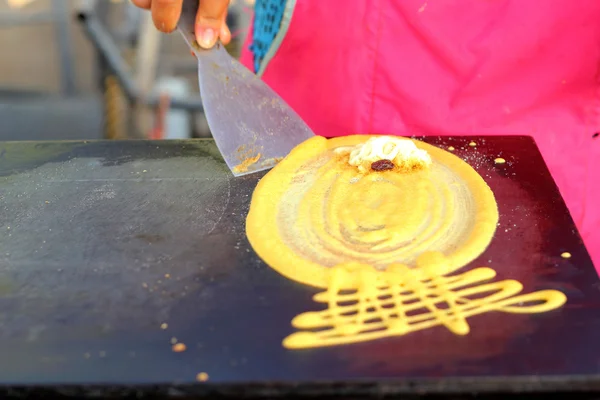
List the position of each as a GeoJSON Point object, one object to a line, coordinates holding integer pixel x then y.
{"type": "Point", "coordinates": [210, 20]}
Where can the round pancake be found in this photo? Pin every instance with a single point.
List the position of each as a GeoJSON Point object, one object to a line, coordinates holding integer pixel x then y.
{"type": "Point", "coordinates": [314, 211]}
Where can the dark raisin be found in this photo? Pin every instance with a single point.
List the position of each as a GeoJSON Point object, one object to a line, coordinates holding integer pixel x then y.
{"type": "Point", "coordinates": [382, 165]}
{"type": "Point", "coordinates": [595, 135]}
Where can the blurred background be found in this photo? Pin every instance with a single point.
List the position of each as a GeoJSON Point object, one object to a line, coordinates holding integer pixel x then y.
{"type": "Point", "coordinates": [98, 69]}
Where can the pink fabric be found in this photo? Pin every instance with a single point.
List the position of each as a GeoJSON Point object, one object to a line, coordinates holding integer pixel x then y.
{"type": "Point", "coordinates": [455, 67]}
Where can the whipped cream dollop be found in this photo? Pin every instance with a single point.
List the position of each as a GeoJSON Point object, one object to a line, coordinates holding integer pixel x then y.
{"type": "Point", "coordinates": [405, 155]}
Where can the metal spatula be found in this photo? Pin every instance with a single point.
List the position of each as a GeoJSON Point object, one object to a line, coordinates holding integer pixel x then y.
{"type": "Point", "coordinates": [252, 126]}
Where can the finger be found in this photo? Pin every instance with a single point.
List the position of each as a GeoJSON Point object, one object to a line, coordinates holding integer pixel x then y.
{"type": "Point", "coordinates": [225, 34]}
{"type": "Point", "coordinates": [165, 14]}
{"type": "Point", "coordinates": [145, 4]}
{"type": "Point", "coordinates": [210, 17]}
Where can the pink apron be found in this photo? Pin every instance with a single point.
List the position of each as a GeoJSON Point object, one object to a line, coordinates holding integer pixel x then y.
{"type": "Point", "coordinates": [453, 67]}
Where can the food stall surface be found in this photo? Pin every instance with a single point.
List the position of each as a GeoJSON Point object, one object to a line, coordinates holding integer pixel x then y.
{"type": "Point", "coordinates": [125, 270]}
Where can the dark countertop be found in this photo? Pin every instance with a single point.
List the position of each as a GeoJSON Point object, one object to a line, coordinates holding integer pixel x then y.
{"type": "Point", "coordinates": [101, 243]}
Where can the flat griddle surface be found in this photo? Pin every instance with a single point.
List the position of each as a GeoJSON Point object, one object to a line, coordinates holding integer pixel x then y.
{"type": "Point", "coordinates": [102, 242]}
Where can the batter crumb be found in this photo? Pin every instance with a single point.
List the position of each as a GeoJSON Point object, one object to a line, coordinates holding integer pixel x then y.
{"type": "Point", "coordinates": [244, 165]}
{"type": "Point", "coordinates": [179, 347]}
{"type": "Point", "coordinates": [472, 144]}
{"type": "Point", "coordinates": [499, 160]}
{"type": "Point", "coordinates": [202, 377]}
{"type": "Point", "coordinates": [566, 254]}
{"type": "Point", "coordinates": [173, 340]}
{"type": "Point", "coordinates": [168, 276]}
{"type": "Point", "coordinates": [164, 325]}
{"type": "Point", "coordinates": [451, 148]}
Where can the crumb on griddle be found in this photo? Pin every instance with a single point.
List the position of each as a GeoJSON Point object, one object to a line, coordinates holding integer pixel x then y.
{"type": "Point", "coordinates": [179, 347]}
{"type": "Point", "coordinates": [202, 377]}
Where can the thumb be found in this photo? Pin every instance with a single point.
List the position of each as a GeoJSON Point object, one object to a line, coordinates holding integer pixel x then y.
{"type": "Point", "coordinates": [209, 20]}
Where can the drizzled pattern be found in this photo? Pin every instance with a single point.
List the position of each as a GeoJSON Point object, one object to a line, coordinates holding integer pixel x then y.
{"type": "Point", "coordinates": [401, 300]}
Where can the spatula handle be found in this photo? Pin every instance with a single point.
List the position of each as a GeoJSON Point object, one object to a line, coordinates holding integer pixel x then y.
{"type": "Point", "coordinates": [187, 26]}
{"type": "Point", "coordinates": [187, 23]}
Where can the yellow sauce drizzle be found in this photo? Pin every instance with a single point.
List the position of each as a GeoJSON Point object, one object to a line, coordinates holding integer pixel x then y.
{"type": "Point", "coordinates": [401, 300]}
{"type": "Point", "coordinates": [385, 245]}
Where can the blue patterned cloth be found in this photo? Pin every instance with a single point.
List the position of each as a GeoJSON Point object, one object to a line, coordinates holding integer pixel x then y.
{"type": "Point", "coordinates": [267, 20]}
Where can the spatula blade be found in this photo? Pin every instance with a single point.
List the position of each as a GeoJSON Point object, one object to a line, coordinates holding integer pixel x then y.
{"type": "Point", "coordinates": [252, 126]}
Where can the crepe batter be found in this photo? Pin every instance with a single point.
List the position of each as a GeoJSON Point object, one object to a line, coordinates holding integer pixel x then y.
{"type": "Point", "coordinates": [314, 211]}
{"type": "Point", "coordinates": [322, 217]}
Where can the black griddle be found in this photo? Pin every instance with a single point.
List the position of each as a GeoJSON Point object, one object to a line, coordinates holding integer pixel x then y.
{"type": "Point", "coordinates": [103, 242]}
